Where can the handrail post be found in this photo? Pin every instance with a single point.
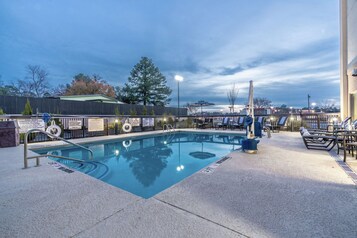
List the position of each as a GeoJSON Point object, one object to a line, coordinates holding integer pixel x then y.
{"type": "Point", "coordinates": [25, 151]}
{"type": "Point", "coordinates": [53, 136]}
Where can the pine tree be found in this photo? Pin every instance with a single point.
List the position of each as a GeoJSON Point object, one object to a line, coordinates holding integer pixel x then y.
{"type": "Point", "coordinates": [145, 111]}
{"type": "Point", "coordinates": [147, 85]}
{"type": "Point", "coordinates": [116, 111]}
{"type": "Point", "coordinates": [27, 109]}
{"type": "Point", "coordinates": [133, 112]}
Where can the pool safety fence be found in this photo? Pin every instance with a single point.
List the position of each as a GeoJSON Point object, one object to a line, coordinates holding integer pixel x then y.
{"type": "Point", "coordinates": [55, 105]}
{"type": "Point", "coordinates": [83, 126]}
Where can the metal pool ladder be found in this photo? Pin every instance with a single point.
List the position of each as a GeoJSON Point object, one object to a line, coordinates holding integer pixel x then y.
{"type": "Point", "coordinates": [168, 127]}
{"type": "Point", "coordinates": [37, 157]}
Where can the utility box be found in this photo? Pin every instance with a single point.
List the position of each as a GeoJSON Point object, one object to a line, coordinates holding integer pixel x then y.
{"type": "Point", "coordinates": [9, 134]}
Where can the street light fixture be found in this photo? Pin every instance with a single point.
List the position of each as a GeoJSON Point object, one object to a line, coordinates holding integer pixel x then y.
{"type": "Point", "coordinates": [179, 79]}
{"type": "Point", "coordinates": [313, 105]}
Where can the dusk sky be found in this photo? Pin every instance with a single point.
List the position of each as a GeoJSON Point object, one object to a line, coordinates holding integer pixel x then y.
{"type": "Point", "coordinates": [288, 48]}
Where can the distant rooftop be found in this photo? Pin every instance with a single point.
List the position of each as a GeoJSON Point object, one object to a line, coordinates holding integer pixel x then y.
{"type": "Point", "coordinates": [91, 98]}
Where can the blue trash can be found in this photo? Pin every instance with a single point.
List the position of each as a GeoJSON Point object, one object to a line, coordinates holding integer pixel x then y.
{"type": "Point", "coordinates": [258, 129]}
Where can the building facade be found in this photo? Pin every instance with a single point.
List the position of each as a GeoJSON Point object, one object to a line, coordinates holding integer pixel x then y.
{"type": "Point", "coordinates": [348, 63]}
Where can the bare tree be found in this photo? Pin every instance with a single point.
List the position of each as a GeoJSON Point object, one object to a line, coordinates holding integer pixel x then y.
{"type": "Point", "coordinates": [232, 96]}
{"type": "Point", "coordinates": [328, 105]}
{"type": "Point", "coordinates": [191, 109]}
{"type": "Point", "coordinates": [60, 90]}
{"type": "Point", "coordinates": [35, 82]}
{"type": "Point", "coordinates": [262, 102]}
{"type": "Point", "coordinates": [25, 88]}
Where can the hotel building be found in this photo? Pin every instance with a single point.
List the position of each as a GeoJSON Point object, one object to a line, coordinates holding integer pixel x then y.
{"type": "Point", "coordinates": [348, 61]}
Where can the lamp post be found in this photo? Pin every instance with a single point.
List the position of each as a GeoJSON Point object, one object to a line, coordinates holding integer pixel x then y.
{"type": "Point", "coordinates": [291, 122]}
{"type": "Point", "coordinates": [291, 118]}
{"type": "Point", "coordinates": [178, 78]}
{"type": "Point", "coordinates": [272, 124]}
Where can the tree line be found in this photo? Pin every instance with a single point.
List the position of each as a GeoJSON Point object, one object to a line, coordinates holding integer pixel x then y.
{"type": "Point", "coordinates": [146, 85]}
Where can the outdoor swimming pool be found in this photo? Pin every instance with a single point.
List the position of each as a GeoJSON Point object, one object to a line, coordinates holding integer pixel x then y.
{"type": "Point", "coordinates": [146, 166]}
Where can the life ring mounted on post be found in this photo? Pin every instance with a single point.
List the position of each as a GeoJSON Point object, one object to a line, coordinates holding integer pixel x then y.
{"type": "Point", "coordinates": [127, 127]}
{"type": "Point", "coordinates": [54, 129]}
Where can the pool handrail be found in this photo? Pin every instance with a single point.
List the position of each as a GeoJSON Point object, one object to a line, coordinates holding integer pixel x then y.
{"type": "Point", "coordinates": [168, 127]}
{"type": "Point", "coordinates": [52, 136]}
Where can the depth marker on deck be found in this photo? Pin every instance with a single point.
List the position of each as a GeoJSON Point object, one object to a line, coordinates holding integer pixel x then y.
{"type": "Point", "coordinates": [211, 168]}
{"type": "Point", "coordinates": [60, 167]}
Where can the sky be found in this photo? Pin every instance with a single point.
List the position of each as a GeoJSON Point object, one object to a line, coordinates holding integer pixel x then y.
{"type": "Point", "coordinates": [288, 48]}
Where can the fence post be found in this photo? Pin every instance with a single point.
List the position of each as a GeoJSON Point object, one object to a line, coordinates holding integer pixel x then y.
{"type": "Point", "coordinates": [154, 123]}
{"type": "Point", "coordinates": [318, 122]}
{"type": "Point", "coordinates": [107, 120]}
{"type": "Point", "coordinates": [141, 123]}
{"type": "Point", "coordinates": [83, 128]}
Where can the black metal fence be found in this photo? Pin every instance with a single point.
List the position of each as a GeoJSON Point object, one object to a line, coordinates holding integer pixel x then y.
{"type": "Point", "coordinates": [15, 105]}
{"type": "Point", "coordinates": [112, 125]}
{"type": "Point", "coordinates": [319, 120]}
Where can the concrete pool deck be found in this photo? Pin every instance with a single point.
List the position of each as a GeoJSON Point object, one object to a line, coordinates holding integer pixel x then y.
{"type": "Point", "coordinates": [283, 191]}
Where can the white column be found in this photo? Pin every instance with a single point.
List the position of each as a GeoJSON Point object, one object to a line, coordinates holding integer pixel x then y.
{"type": "Point", "coordinates": [344, 98]}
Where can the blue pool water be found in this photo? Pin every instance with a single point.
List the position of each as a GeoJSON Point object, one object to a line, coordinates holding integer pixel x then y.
{"type": "Point", "coordinates": [146, 166]}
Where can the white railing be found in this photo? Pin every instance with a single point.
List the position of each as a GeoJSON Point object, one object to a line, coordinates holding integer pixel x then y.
{"type": "Point", "coordinates": [37, 157]}
{"type": "Point", "coordinates": [168, 128]}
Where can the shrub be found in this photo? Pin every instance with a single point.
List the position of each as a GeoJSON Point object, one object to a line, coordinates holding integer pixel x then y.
{"type": "Point", "coordinates": [116, 111]}
{"type": "Point", "coordinates": [189, 122]}
{"type": "Point", "coordinates": [133, 112]}
{"type": "Point", "coordinates": [145, 111]}
{"type": "Point", "coordinates": [27, 109]}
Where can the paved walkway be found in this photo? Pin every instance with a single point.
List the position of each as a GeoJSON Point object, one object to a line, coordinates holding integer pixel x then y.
{"type": "Point", "coordinates": [283, 191]}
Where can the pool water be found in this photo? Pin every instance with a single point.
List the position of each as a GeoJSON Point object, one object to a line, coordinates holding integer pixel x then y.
{"type": "Point", "coordinates": [146, 166]}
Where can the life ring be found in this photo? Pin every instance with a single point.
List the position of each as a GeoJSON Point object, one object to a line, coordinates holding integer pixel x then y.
{"type": "Point", "coordinates": [54, 130]}
{"type": "Point", "coordinates": [127, 143]}
{"type": "Point", "coordinates": [127, 127]}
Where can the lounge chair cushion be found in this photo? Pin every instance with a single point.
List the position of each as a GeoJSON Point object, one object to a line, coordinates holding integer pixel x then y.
{"type": "Point", "coordinates": [306, 133]}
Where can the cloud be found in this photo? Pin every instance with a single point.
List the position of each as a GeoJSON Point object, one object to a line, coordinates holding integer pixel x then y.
{"type": "Point", "coordinates": [288, 48]}
{"type": "Point", "coordinates": [231, 71]}
{"type": "Point", "coordinates": [282, 77]}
